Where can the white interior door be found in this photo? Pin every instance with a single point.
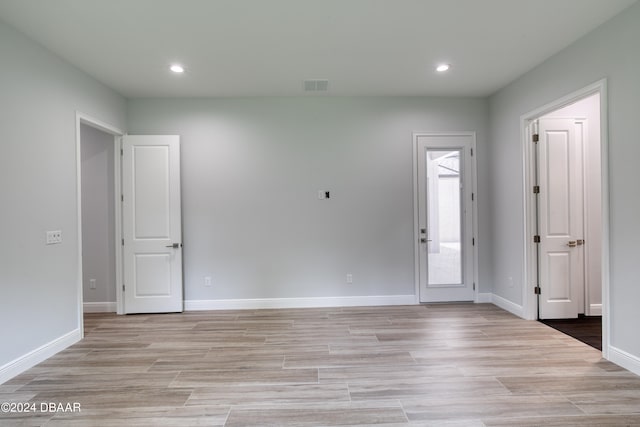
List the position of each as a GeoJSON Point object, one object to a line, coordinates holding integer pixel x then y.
{"type": "Point", "coordinates": [560, 218]}
{"type": "Point", "coordinates": [445, 241]}
{"type": "Point", "coordinates": [152, 229]}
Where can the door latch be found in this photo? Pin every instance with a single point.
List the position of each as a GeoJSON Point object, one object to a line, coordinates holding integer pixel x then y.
{"type": "Point", "coordinates": [572, 243]}
{"type": "Point", "coordinates": [175, 246]}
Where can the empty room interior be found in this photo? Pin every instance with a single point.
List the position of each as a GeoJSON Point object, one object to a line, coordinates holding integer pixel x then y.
{"type": "Point", "coordinates": [319, 212]}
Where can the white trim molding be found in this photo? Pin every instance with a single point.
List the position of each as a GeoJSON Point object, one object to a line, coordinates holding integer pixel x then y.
{"type": "Point", "coordinates": [82, 118]}
{"type": "Point", "coordinates": [252, 304]}
{"type": "Point", "coordinates": [507, 305]}
{"type": "Point", "coordinates": [100, 307]}
{"type": "Point", "coordinates": [29, 360]}
{"type": "Point", "coordinates": [595, 310]}
{"type": "Point", "coordinates": [529, 301]}
{"type": "Point", "coordinates": [484, 297]}
{"type": "Point", "coordinates": [624, 359]}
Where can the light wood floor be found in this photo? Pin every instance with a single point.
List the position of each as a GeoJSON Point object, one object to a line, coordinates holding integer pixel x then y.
{"type": "Point", "coordinates": [436, 365]}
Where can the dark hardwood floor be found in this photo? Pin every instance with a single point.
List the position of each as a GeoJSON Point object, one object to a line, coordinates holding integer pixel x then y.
{"type": "Point", "coordinates": [585, 329]}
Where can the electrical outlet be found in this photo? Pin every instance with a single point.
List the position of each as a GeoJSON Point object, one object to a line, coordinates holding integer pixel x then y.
{"type": "Point", "coordinates": [92, 283]}
{"type": "Point", "coordinates": [324, 194]}
{"type": "Point", "coordinates": [207, 281]}
{"type": "Point", "coordinates": [349, 278]}
{"type": "Point", "coordinates": [54, 237]}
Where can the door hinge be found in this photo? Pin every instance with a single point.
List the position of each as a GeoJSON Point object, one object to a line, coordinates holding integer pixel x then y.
{"type": "Point", "coordinates": [536, 239]}
{"type": "Point", "coordinates": [473, 196]}
{"type": "Point", "coordinates": [537, 290]}
{"type": "Point", "coordinates": [121, 152]}
{"type": "Point", "coordinates": [123, 287]}
{"type": "Point", "coordinates": [472, 152]}
{"type": "Point", "coordinates": [473, 241]}
{"type": "Point", "coordinates": [122, 242]}
{"type": "Point", "coordinates": [535, 137]}
{"type": "Point", "coordinates": [536, 189]}
{"type": "Point", "coordinates": [474, 286]}
{"type": "Point", "coordinates": [122, 197]}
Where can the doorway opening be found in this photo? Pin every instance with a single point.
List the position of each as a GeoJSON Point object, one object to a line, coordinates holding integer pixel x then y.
{"type": "Point", "coordinates": [98, 210]}
{"type": "Point", "coordinates": [97, 152]}
{"type": "Point", "coordinates": [566, 234]}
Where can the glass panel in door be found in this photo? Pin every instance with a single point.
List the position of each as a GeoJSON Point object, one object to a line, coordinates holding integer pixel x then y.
{"type": "Point", "coordinates": [444, 217]}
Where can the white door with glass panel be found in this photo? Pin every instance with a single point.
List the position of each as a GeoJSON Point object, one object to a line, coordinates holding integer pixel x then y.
{"type": "Point", "coordinates": [560, 217]}
{"type": "Point", "coordinates": [151, 224]}
{"type": "Point", "coordinates": [445, 240]}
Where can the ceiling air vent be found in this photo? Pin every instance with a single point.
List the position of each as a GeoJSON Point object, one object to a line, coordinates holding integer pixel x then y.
{"type": "Point", "coordinates": [316, 85]}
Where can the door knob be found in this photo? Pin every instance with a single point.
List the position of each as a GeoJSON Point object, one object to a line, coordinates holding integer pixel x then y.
{"type": "Point", "coordinates": [572, 243]}
{"type": "Point", "coordinates": [175, 246]}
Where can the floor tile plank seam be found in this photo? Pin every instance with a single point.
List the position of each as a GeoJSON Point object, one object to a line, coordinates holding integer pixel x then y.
{"type": "Point", "coordinates": [175, 378]}
{"type": "Point", "coordinates": [575, 406]}
{"type": "Point", "coordinates": [579, 406]}
{"type": "Point", "coordinates": [404, 412]}
{"type": "Point", "coordinates": [529, 418]}
{"type": "Point", "coordinates": [610, 413]}
{"type": "Point", "coordinates": [284, 361]}
{"type": "Point", "coordinates": [227, 417]}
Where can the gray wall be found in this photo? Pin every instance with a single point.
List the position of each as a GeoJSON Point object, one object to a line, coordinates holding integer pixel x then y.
{"type": "Point", "coordinates": [98, 215]}
{"type": "Point", "coordinates": [610, 51]}
{"type": "Point", "coordinates": [40, 94]}
{"type": "Point", "coordinates": [251, 169]}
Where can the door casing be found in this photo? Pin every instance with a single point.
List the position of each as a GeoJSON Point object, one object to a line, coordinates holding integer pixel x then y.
{"type": "Point", "coordinates": [529, 279]}
{"type": "Point", "coordinates": [416, 210]}
{"type": "Point", "coordinates": [82, 118]}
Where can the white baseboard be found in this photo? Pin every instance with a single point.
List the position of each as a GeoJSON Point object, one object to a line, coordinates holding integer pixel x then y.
{"type": "Point", "coordinates": [624, 359]}
{"type": "Point", "coordinates": [38, 355]}
{"type": "Point", "coordinates": [505, 304]}
{"type": "Point", "coordinates": [595, 310]}
{"type": "Point", "coordinates": [252, 304]}
{"type": "Point", "coordinates": [99, 307]}
{"type": "Point", "coordinates": [484, 297]}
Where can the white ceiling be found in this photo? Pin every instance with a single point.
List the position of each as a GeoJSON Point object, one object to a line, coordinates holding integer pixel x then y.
{"type": "Point", "coordinates": [267, 47]}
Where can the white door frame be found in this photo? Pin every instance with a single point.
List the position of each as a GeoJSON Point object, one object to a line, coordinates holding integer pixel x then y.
{"type": "Point", "coordinates": [88, 120]}
{"type": "Point", "coordinates": [529, 299]}
{"type": "Point", "coordinates": [416, 210]}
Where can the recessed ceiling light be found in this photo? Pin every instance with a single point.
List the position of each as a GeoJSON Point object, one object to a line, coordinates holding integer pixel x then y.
{"type": "Point", "coordinates": [442, 68]}
{"type": "Point", "coordinates": [177, 68]}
